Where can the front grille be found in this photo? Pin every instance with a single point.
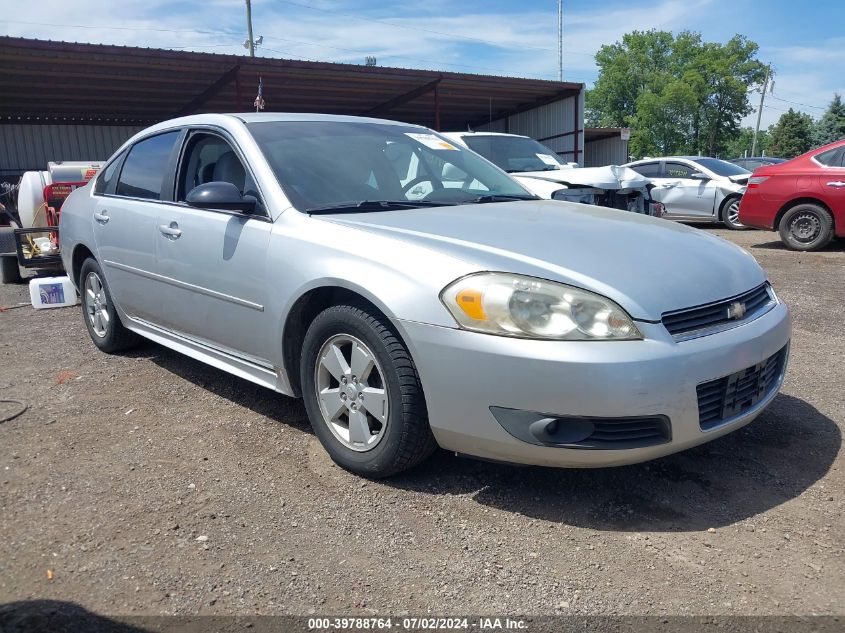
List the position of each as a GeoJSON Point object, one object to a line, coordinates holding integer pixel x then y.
{"type": "Point", "coordinates": [683, 322]}
{"type": "Point", "coordinates": [618, 433]}
{"type": "Point", "coordinates": [724, 398]}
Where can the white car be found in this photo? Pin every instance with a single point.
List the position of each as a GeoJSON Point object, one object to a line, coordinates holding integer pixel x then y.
{"type": "Point", "coordinates": [696, 188]}
{"type": "Point", "coordinates": [539, 170]}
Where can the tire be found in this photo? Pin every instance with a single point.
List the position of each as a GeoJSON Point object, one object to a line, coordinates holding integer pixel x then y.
{"type": "Point", "coordinates": [105, 329]}
{"type": "Point", "coordinates": [382, 447]}
{"type": "Point", "coordinates": [730, 214]}
{"type": "Point", "coordinates": [10, 273]}
{"type": "Point", "coordinates": [806, 227]}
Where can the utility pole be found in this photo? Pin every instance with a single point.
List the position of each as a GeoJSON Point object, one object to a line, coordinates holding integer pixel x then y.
{"type": "Point", "coordinates": [560, 40]}
{"type": "Point", "coordinates": [760, 111]}
{"type": "Point", "coordinates": [249, 28]}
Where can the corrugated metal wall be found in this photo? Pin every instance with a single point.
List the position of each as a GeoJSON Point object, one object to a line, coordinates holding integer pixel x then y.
{"type": "Point", "coordinates": [605, 151]}
{"type": "Point", "coordinates": [553, 124]}
{"type": "Point", "coordinates": [26, 147]}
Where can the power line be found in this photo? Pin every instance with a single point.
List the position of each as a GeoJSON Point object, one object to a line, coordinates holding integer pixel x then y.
{"type": "Point", "coordinates": [418, 29]}
{"type": "Point", "coordinates": [417, 59]}
{"type": "Point", "coordinates": [806, 105]}
{"type": "Point", "coordinates": [301, 42]}
{"type": "Point", "coordinates": [305, 43]}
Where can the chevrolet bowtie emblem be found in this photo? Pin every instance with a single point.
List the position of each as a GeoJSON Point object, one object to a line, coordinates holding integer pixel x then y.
{"type": "Point", "coordinates": [736, 310]}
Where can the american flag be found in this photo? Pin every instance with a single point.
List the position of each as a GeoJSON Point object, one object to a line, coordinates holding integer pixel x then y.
{"type": "Point", "coordinates": [259, 99]}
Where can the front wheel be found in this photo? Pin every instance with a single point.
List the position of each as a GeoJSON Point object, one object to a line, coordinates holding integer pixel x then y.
{"type": "Point", "coordinates": [101, 318]}
{"type": "Point", "coordinates": [730, 214]}
{"type": "Point", "coordinates": [806, 227]}
{"type": "Point", "coordinates": [362, 393]}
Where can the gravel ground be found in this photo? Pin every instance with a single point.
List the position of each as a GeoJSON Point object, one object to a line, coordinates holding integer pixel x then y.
{"type": "Point", "coordinates": [152, 484]}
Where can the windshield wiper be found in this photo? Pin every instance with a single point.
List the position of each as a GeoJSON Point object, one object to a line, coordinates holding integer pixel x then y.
{"type": "Point", "coordinates": [501, 197]}
{"type": "Point", "coordinates": [522, 171]}
{"type": "Point", "coordinates": [365, 206]}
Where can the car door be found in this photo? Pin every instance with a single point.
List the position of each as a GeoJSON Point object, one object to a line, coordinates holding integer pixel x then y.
{"type": "Point", "coordinates": [126, 207]}
{"type": "Point", "coordinates": [832, 181]}
{"type": "Point", "coordinates": [683, 194]}
{"type": "Point", "coordinates": [214, 262]}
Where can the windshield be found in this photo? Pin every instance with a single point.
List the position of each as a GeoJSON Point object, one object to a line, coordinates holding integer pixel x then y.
{"type": "Point", "coordinates": [721, 167]}
{"type": "Point", "coordinates": [338, 165]}
{"type": "Point", "coordinates": [514, 153]}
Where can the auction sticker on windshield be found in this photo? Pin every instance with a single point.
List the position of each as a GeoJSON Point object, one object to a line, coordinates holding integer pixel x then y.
{"type": "Point", "coordinates": [546, 158]}
{"type": "Point", "coordinates": [432, 141]}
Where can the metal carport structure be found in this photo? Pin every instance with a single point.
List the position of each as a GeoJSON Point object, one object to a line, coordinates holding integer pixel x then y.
{"type": "Point", "coordinates": [70, 85]}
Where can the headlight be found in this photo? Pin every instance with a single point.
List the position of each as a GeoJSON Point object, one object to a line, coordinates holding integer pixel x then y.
{"type": "Point", "coordinates": [515, 305]}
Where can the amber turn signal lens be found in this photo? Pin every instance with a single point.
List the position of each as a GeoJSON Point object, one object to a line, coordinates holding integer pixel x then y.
{"type": "Point", "coordinates": [470, 302]}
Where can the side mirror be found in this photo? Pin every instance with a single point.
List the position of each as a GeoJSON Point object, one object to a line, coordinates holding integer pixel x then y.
{"type": "Point", "coordinates": [220, 195]}
{"type": "Point", "coordinates": [697, 175]}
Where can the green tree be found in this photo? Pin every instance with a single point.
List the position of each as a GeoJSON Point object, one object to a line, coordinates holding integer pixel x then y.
{"type": "Point", "coordinates": [742, 141]}
{"type": "Point", "coordinates": [831, 127]}
{"type": "Point", "coordinates": [792, 134]}
{"type": "Point", "coordinates": [678, 93]}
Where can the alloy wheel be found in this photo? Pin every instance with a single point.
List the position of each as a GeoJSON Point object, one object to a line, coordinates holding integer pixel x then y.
{"type": "Point", "coordinates": [733, 213]}
{"type": "Point", "coordinates": [352, 392]}
{"type": "Point", "coordinates": [96, 304]}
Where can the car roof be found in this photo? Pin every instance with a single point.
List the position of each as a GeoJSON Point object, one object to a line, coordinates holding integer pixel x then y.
{"type": "Point", "coordinates": [484, 134]}
{"type": "Point", "coordinates": [264, 117]}
{"type": "Point", "coordinates": [659, 158]}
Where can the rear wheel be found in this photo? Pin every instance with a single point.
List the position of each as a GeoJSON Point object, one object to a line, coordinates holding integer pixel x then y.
{"type": "Point", "coordinates": [101, 318]}
{"type": "Point", "coordinates": [806, 227]}
{"type": "Point", "coordinates": [362, 393]}
{"type": "Point", "coordinates": [9, 271]}
{"type": "Point", "coordinates": [730, 214]}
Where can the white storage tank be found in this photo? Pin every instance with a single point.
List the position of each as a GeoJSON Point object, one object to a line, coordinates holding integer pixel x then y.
{"type": "Point", "coordinates": [31, 188]}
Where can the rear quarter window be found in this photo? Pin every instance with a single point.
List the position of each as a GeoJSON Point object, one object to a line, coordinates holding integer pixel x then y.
{"type": "Point", "coordinates": [832, 157]}
{"type": "Point", "coordinates": [106, 177]}
{"type": "Point", "coordinates": [648, 170]}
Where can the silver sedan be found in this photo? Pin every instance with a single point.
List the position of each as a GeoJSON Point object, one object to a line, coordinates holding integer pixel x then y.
{"type": "Point", "coordinates": [696, 188]}
{"type": "Point", "coordinates": [300, 252]}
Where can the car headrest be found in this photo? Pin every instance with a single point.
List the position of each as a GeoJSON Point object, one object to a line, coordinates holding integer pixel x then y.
{"type": "Point", "coordinates": [207, 174]}
{"type": "Point", "coordinates": [452, 172]}
{"type": "Point", "coordinates": [229, 169]}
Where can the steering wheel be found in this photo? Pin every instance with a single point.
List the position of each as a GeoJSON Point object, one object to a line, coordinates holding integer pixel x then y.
{"type": "Point", "coordinates": [418, 180]}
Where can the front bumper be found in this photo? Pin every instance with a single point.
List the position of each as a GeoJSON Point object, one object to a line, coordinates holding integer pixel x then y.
{"type": "Point", "coordinates": [464, 373]}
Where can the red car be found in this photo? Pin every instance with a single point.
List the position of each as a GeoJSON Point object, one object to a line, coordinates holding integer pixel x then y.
{"type": "Point", "coordinates": [803, 198]}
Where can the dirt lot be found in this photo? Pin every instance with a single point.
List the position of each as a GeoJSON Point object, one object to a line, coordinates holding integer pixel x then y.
{"type": "Point", "coordinates": [152, 484]}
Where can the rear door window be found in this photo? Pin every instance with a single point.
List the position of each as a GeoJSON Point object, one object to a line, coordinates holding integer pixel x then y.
{"type": "Point", "coordinates": [145, 167]}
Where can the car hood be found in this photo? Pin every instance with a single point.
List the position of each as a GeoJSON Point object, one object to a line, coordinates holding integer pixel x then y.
{"type": "Point", "coordinates": [647, 265]}
{"type": "Point", "coordinates": [612, 177]}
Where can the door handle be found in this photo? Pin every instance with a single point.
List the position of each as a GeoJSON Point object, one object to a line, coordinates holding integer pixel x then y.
{"type": "Point", "coordinates": [172, 231]}
{"type": "Point", "coordinates": [102, 218]}
{"type": "Point", "coordinates": [836, 183]}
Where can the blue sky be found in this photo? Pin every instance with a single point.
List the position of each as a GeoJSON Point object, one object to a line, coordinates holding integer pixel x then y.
{"type": "Point", "coordinates": [804, 41]}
